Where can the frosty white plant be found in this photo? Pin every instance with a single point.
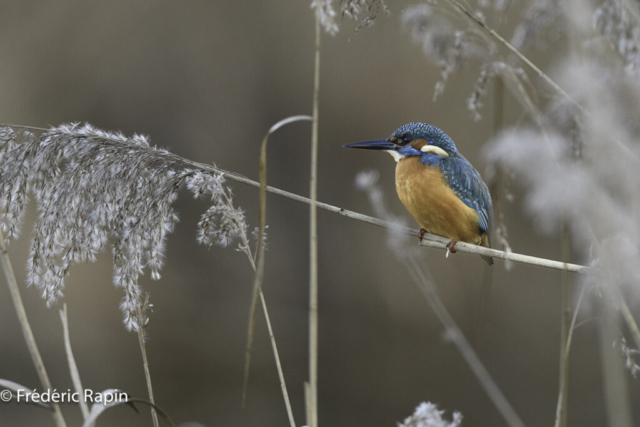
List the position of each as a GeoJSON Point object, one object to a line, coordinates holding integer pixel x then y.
{"type": "Point", "coordinates": [90, 185]}
{"type": "Point", "coordinates": [442, 41]}
{"type": "Point", "coordinates": [538, 29]}
{"type": "Point", "coordinates": [427, 414]}
{"type": "Point", "coordinates": [597, 195]}
{"type": "Point", "coordinates": [453, 43]}
{"type": "Point", "coordinates": [326, 14]}
{"type": "Point", "coordinates": [363, 11]}
{"type": "Point", "coordinates": [629, 355]}
{"type": "Point", "coordinates": [617, 21]}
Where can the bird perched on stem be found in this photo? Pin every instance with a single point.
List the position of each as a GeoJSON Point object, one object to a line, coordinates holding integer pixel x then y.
{"type": "Point", "coordinates": [439, 187]}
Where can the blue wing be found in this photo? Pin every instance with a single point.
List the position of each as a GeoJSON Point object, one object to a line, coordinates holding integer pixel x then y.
{"type": "Point", "coordinates": [468, 185]}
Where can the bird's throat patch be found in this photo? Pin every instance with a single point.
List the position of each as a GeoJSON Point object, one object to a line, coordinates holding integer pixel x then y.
{"type": "Point", "coordinates": [396, 156]}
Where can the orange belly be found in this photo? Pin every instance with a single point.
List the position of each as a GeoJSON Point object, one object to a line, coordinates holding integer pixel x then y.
{"type": "Point", "coordinates": [424, 192]}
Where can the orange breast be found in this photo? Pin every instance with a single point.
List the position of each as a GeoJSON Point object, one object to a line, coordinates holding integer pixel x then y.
{"type": "Point", "coordinates": [424, 192]}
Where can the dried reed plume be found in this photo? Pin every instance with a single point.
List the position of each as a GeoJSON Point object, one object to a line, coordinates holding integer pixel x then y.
{"type": "Point", "coordinates": [427, 414]}
{"type": "Point", "coordinates": [441, 41]}
{"type": "Point", "coordinates": [583, 170]}
{"type": "Point", "coordinates": [89, 186]}
{"type": "Point", "coordinates": [617, 22]}
{"type": "Point", "coordinates": [363, 11]}
{"type": "Point", "coordinates": [454, 44]}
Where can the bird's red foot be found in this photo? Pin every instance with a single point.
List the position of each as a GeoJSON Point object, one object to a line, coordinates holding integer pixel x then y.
{"type": "Point", "coordinates": [451, 247]}
{"type": "Point", "coordinates": [421, 234]}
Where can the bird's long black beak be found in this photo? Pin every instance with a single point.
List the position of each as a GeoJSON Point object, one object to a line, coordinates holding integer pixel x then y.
{"type": "Point", "coordinates": [378, 144]}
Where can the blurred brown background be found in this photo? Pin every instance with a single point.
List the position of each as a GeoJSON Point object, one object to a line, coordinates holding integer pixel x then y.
{"type": "Point", "coordinates": [206, 79]}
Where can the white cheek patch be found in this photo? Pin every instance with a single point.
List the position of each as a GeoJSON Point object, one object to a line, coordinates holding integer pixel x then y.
{"type": "Point", "coordinates": [435, 150]}
{"type": "Point", "coordinates": [396, 156]}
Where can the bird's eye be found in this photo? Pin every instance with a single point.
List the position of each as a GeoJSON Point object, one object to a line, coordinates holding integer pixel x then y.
{"type": "Point", "coordinates": [406, 139]}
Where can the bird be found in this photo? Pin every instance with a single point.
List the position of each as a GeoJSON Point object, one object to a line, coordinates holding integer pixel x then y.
{"type": "Point", "coordinates": [438, 185]}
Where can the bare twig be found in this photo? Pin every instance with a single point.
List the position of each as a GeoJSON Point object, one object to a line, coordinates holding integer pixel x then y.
{"type": "Point", "coordinates": [26, 328]}
{"type": "Point", "coordinates": [430, 240]}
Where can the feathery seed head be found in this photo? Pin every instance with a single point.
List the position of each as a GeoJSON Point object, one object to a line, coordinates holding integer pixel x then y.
{"type": "Point", "coordinates": [427, 414]}
{"type": "Point", "coordinates": [89, 184]}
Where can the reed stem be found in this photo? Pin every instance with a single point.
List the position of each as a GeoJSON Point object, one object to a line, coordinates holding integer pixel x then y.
{"type": "Point", "coordinates": [26, 328]}
{"type": "Point", "coordinates": [313, 239]}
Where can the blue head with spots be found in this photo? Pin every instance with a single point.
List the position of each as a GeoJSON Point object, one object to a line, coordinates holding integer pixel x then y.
{"type": "Point", "coordinates": [414, 139]}
{"type": "Point", "coordinates": [413, 134]}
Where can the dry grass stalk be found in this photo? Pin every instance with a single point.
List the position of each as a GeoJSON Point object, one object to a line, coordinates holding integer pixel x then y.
{"type": "Point", "coordinates": [312, 399]}
{"type": "Point", "coordinates": [137, 184]}
{"type": "Point", "coordinates": [73, 367]}
{"type": "Point", "coordinates": [565, 325]}
{"type": "Point", "coordinates": [146, 306]}
{"type": "Point", "coordinates": [258, 267]}
{"type": "Point", "coordinates": [26, 328]}
{"type": "Point", "coordinates": [561, 406]}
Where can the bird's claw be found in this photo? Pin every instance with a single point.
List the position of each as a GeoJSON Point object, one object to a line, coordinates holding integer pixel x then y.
{"type": "Point", "coordinates": [421, 234]}
{"type": "Point", "coordinates": [451, 247]}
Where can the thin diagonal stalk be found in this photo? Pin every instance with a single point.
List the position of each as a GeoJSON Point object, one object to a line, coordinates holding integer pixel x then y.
{"type": "Point", "coordinates": [453, 331]}
{"type": "Point", "coordinates": [616, 391]}
{"type": "Point", "coordinates": [145, 362]}
{"type": "Point", "coordinates": [276, 355]}
{"type": "Point", "coordinates": [429, 240]}
{"type": "Point", "coordinates": [565, 355]}
{"type": "Point", "coordinates": [26, 328]}
{"type": "Point", "coordinates": [566, 322]}
{"type": "Point", "coordinates": [147, 375]}
{"type": "Point", "coordinates": [631, 322]}
{"type": "Point", "coordinates": [313, 239]}
{"type": "Point", "coordinates": [73, 367]}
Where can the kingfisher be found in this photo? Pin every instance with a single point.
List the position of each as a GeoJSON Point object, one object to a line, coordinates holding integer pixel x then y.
{"type": "Point", "coordinates": [438, 185]}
